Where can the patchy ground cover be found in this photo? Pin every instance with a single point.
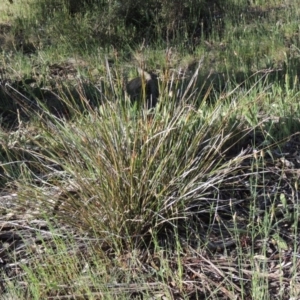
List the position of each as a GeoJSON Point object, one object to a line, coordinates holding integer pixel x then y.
{"type": "Point", "coordinates": [197, 199]}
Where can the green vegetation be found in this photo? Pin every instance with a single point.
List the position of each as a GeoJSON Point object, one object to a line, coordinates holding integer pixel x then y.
{"type": "Point", "coordinates": [196, 198]}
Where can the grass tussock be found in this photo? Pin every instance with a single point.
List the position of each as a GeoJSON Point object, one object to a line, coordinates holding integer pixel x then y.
{"type": "Point", "coordinates": [135, 171]}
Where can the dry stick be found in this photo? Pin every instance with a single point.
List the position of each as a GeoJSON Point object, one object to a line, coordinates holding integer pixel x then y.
{"type": "Point", "coordinates": [218, 271]}
{"type": "Point", "coordinates": [217, 285]}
